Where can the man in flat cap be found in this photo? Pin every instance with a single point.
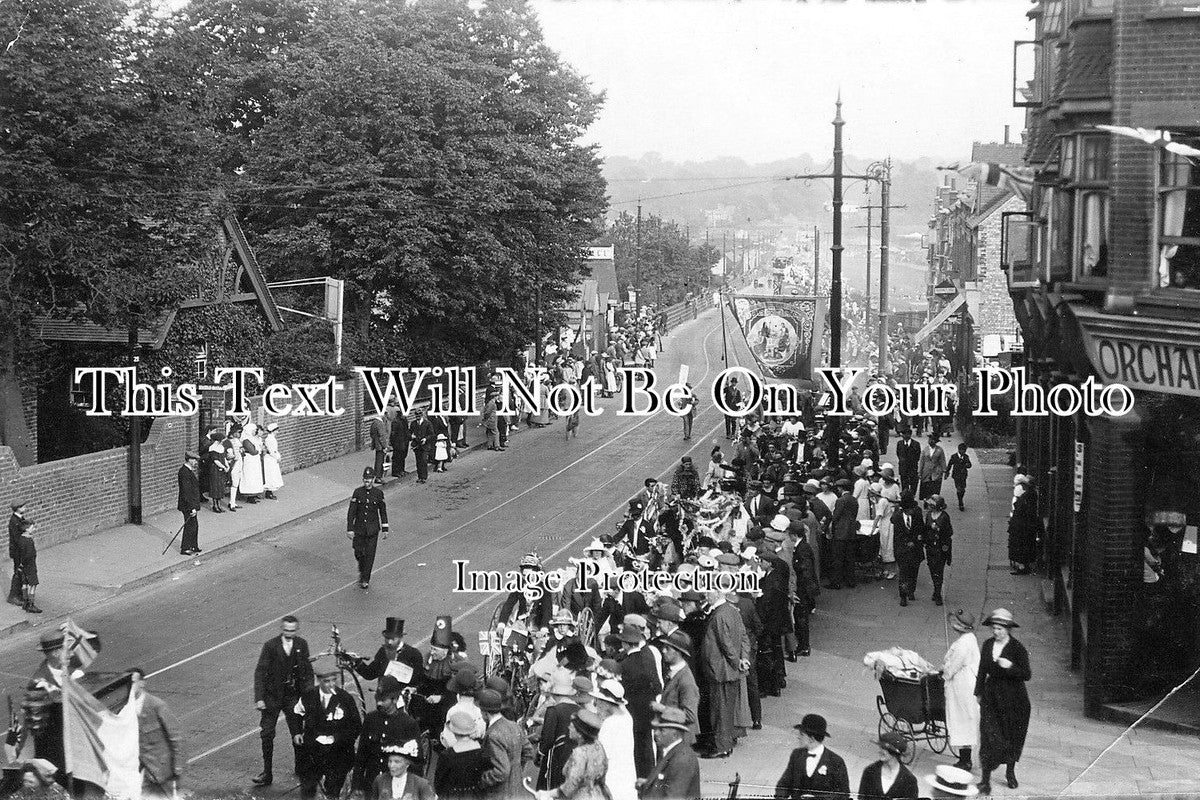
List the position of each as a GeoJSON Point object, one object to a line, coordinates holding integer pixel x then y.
{"type": "Point", "coordinates": [329, 724]}
{"type": "Point", "coordinates": [189, 504]}
{"type": "Point", "coordinates": [365, 520]}
{"type": "Point", "coordinates": [680, 689]}
{"type": "Point", "coordinates": [16, 524]}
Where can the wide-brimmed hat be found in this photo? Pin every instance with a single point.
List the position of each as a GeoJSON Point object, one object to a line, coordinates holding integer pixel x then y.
{"type": "Point", "coordinates": [935, 503]}
{"type": "Point", "coordinates": [1001, 616]}
{"type": "Point", "coordinates": [780, 522]}
{"type": "Point", "coordinates": [670, 611]}
{"type": "Point", "coordinates": [953, 780]}
{"type": "Point", "coordinates": [587, 721]}
{"type": "Point", "coordinates": [610, 691]}
{"type": "Point", "coordinates": [632, 634]}
{"type": "Point", "coordinates": [963, 621]}
{"type": "Point", "coordinates": [460, 723]}
{"type": "Point", "coordinates": [595, 544]}
{"type": "Point", "coordinates": [409, 749]}
{"type": "Point", "coordinates": [679, 641]}
{"type": "Point", "coordinates": [814, 725]}
{"type": "Point", "coordinates": [50, 640]}
{"type": "Point", "coordinates": [670, 717]}
{"type": "Point", "coordinates": [894, 743]}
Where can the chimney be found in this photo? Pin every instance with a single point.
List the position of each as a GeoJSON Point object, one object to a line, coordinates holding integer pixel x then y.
{"type": "Point", "coordinates": [1006, 127]}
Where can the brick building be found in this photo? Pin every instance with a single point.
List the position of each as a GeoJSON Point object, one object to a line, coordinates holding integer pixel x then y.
{"type": "Point", "coordinates": [1104, 272]}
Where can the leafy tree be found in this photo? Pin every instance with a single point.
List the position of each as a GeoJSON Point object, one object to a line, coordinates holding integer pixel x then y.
{"type": "Point", "coordinates": [670, 266]}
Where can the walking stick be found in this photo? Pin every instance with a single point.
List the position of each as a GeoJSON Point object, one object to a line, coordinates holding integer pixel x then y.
{"type": "Point", "coordinates": [173, 538]}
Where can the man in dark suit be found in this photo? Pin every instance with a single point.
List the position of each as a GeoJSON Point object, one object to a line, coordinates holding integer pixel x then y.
{"type": "Point", "coordinates": [189, 504]}
{"type": "Point", "coordinates": [844, 527]}
{"type": "Point", "coordinates": [814, 771]}
{"type": "Point", "coordinates": [640, 676]}
{"type": "Point", "coordinates": [908, 460]}
{"type": "Point", "coordinates": [160, 749]}
{"type": "Point", "coordinates": [507, 748]}
{"type": "Point", "coordinates": [760, 507]}
{"type": "Point", "coordinates": [680, 690]}
{"type": "Point", "coordinates": [676, 774]}
{"type": "Point", "coordinates": [394, 649]}
{"type": "Point", "coordinates": [725, 660]}
{"type": "Point", "coordinates": [283, 673]}
{"type": "Point", "coordinates": [327, 725]}
{"type": "Point", "coordinates": [16, 524]}
{"type": "Point", "coordinates": [379, 442]}
{"type": "Point", "coordinates": [420, 438]}
{"type": "Point", "coordinates": [398, 439]}
{"type": "Point", "coordinates": [365, 520]}
{"type": "Point", "coordinates": [772, 605]}
{"type": "Point", "coordinates": [908, 537]}
{"type": "Point", "coordinates": [389, 725]}
{"type": "Point", "coordinates": [616, 605]}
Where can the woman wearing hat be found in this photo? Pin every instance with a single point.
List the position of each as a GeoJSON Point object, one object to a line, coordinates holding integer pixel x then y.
{"type": "Point", "coordinates": [1024, 527]}
{"type": "Point", "coordinates": [461, 765]}
{"type": "Point", "coordinates": [398, 783]}
{"type": "Point", "coordinates": [272, 473]}
{"type": "Point", "coordinates": [1003, 699]}
{"type": "Point", "coordinates": [887, 777]}
{"type": "Point", "coordinates": [583, 776]}
{"type": "Point", "coordinates": [960, 670]}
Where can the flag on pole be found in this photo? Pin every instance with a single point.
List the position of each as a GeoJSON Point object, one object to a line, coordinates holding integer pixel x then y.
{"type": "Point", "coordinates": [81, 644]}
{"type": "Point", "coordinates": [1156, 138]}
{"type": "Point", "coordinates": [1018, 180]}
{"type": "Point", "coordinates": [101, 746]}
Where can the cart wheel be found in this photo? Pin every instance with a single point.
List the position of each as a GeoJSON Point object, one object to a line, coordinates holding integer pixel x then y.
{"type": "Point", "coordinates": [491, 664]}
{"type": "Point", "coordinates": [939, 738]}
{"type": "Point", "coordinates": [585, 627]}
{"type": "Point", "coordinates": [885, 724]}
{"type": "Point", "coordinates": [905, 729]}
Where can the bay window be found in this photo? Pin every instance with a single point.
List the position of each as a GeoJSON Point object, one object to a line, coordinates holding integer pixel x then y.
{"type": "Point", "coordinates": [1179, 218]}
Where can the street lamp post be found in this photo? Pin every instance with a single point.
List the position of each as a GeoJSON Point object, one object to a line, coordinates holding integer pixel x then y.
{"type": "Point", "coordinates": [835, 285]}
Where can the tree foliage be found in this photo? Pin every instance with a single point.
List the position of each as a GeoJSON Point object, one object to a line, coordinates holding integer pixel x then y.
{"type": "Point", "coordinates": [670, 266]}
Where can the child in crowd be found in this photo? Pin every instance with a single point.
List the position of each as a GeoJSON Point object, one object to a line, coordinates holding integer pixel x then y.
{"type": "Point", "coordinates": [960, 464]}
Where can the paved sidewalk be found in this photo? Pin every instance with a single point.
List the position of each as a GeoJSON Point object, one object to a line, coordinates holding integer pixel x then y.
{"type": "Point", "coordinates": [849, 623]}
{"type": "Point", "coordinates": [77, 574]}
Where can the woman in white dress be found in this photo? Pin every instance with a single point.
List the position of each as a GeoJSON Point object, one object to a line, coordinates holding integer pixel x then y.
{"type": "Point", "coordinates": [272, 471]}
{"type": "Point", "coordinates": [233, 459]}
{"type": "Point", "coordinates": [251, 484]}
{"type": "Point", "coordinates": [886, 505]}
{"type": "Point", "coordinates": [959, 671]}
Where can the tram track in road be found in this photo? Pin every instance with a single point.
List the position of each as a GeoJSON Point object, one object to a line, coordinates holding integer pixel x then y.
{"type": "Point", "coordinates": [647, 452]}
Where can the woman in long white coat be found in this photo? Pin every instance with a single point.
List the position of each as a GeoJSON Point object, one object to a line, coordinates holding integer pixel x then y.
{"type": "Point", "coordinates": [886, 505]}
{"type": "Point", "coordinates": [959, 671]}
{"type": "Point", "coordinates": [251, 485]}
{"type": "Point", "coordinates": [272, 472]}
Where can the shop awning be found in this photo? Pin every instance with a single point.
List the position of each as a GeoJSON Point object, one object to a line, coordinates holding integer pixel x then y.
{"type": "Point", "coordinates": [941, 317]}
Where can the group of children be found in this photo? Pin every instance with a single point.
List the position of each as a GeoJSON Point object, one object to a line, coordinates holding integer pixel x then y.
{"type": "Point", "coordinates": [23, 552]}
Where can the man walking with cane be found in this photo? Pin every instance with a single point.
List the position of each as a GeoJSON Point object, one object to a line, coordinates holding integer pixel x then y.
{"type": "Point", "coordinates": [189, 504]}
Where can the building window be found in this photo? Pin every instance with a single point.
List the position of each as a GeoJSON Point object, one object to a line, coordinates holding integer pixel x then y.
{"type": "Point", "coordinates": [1081, 8]}
{"type": "Point", "coordinates": [1093, 233]}
{"type": "Point", "coordinates": [1052, 18]}
{"type": "Point", "coordinates": [1086, 171]}
{"type": "Point", "coordinates": [1179, 219]}
{"type": "Point", "coordinates": [1060, 239]}
{"type": "Point", "coordinates": [201, 362]}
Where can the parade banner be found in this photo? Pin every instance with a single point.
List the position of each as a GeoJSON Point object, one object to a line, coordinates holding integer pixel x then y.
{"type": "Point", "coordinates": [784, 333]}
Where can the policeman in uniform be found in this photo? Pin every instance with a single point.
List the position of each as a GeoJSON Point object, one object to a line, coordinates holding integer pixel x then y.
{"type": "Point", "coordinates": [365, 520]}
{"type": "Point", "coordinates": [388, 725]}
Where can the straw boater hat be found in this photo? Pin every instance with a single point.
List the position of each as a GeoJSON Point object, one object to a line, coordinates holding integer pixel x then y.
{"type": "Point", "coordinates": [961, 621]}
{"type": "Point", "coordinates": [610, 691]}
{"type": "Point", "coordinates": [1001, 616]}
{"type": "Point", "coordinates": [953, 780]}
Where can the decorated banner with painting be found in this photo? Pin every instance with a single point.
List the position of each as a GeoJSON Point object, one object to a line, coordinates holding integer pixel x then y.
{"type": "Point", "coordinates": [784, 333]}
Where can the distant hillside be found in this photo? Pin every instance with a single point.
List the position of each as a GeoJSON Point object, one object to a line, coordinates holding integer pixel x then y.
{"type": "Point", "coordinates": [727, 195]}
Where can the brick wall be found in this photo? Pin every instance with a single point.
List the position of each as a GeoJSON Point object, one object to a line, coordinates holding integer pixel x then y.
{"type": "Point", "coordinates": [996, 307]}
{"type": "Point", "coordinates": [29, 409]}
{"type": "Point", "coordinates": [1156, 83]}
{"type": "Point", "coordinates": [78, 496]}
{"type": "Point", "coordinates": [1115, 459]}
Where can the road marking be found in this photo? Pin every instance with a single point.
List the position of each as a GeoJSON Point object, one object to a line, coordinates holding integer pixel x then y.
{"type": "Point", "coordinates": [486, 600]}
{"type": "Point", "coordinates": [398, 559]}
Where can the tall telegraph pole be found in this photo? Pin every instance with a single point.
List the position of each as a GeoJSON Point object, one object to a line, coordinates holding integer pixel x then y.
{"type": "Point", "coordinates": [884, 215]}
{"type": "Point", "coordinates": [835, 286]}
{"type": "Point", "coordinates": [637, 266]}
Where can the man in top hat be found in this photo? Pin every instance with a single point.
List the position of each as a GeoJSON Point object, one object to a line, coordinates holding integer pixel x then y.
{"type": "Point", "coordinates": [676, 774]}
{"type": "Point", "coordinates": [931, 469]}
{"type": "Point", "coordinates": [365, 520]}
{"type": "Point", "coordinates": [680, 689]}
{"type": "Point", "coordinates": [409, 666]}
{"type": "Point", "coordinates": [636, 529]}
{"type": "Point", "coordinates": [189, 504]}
{"type": "Point", "coordinates": [844, 528]}
{"type": "Point", "coordinates": [908, 460]}
{"type": "Point", "coordinates": [814, 771]}
{"type": "Point", "coordinates": [16, 524]}
{"type": "Point", "coordinates": [507, 748]}
{"type": "Point", "coordinates": [329, 726]}
{"type": "Point", "coordinates": [388, 725]}
{"type": "Point", "coordinates": [282, 675]}
{"type": "Point", "coordinates": [642, 680]}
{"type": "Point", "coordinates": [908, 545]}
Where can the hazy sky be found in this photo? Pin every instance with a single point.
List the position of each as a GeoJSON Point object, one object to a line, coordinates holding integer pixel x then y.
{"type": "Point", "coordinates": [697, 79]}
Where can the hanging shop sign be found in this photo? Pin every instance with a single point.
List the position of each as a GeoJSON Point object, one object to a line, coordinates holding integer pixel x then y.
{"type": "Point", "coordinates": [1077, 499]}
{"type": "Point", "coordinates": [1153, 355]}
